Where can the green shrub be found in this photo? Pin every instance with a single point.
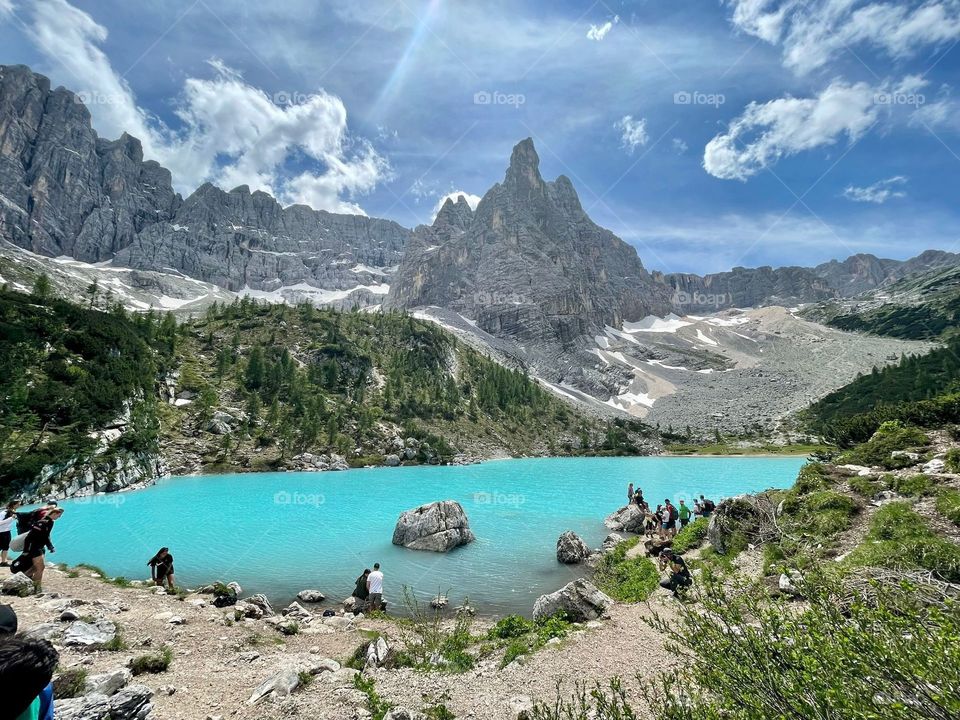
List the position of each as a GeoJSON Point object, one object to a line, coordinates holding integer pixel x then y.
{"type": "Point", "coordinates": [376, 705]}
{"type": "Point", "coordinates": [882, 659]}
{"type": "Point", "coordinates": [512, 626]}
{"type": "Point", "coordinates": [948, 504]}
{"type": "Point", "coordinates": [913, 485]}
{"type": "Point", "coordinates": [890, 436]}
{"type": "Point", "coordinates": [434, 646]}
{"type": "Point", "coordinates": [555, 626]}
{"type": "Point", "coordinates": [153, 663]}
{"type": "Point", "coordinates": [692, 536]}
{"type": "Point", "coordinates": [516, 649]}
{"type": "Point", "coordinates": [900, 539]}
{"type": "Point", "coordinates": [69, 683]}
{"type": "Point", "coordinates": [626, 579]}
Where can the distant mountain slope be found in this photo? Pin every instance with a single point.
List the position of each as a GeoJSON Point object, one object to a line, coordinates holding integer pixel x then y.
{"type": "Point", "coordinates": [788, 286]}
{"type": "Point", "coordinates": [923, 306]}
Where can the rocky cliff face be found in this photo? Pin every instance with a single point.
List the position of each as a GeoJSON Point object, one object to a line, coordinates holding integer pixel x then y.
{"type": "Point", "coordinates": [65, 191]}
{"type": "Point", "coordinates": [529, 264]}
{"type": "Point", "coordinates": [240, 239]}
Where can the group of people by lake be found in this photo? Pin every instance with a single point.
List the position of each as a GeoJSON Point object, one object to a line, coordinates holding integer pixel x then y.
{"type": "Point", "coordinates": [667, 519]}
{"type": "Point", "coordinates": [663, 523]}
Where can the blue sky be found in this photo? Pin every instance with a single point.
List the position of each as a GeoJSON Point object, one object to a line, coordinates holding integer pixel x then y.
{"type": "Point", "coordinates": [708, 134]}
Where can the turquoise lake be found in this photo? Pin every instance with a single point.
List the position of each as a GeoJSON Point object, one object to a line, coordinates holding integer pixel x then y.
{"type": "Point", "coordinates": [279, 533]}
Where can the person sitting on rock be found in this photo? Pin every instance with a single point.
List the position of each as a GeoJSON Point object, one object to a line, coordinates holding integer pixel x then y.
{"type": "Point", "coordinates": [161, 568]}
{"type": "Point", "coordinates": [638, 498]}
{"type": "Point", "coordinates": [680, 578]}
{"type": "Point", "coordinates": [26, 672]}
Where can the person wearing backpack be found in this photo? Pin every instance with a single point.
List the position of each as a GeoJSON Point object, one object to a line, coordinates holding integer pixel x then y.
{"type": "Point", "coordinates": [706, 507]}
{"type": "Point", "coordinates": [674, 515]}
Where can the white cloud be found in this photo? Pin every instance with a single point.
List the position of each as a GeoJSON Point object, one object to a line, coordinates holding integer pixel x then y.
{"type": "Point", "coordinates": [472, 200]}
{"type": "Point", "coordinates": [765, 132]}
{"type": "Point", "coordinates": [599, 32]}
{"type": "Point", "coordinates": [6, 8]}
{"type": "Point", "coordinates": [877, 193]}
{"type": "Point", "coordinates": [812, 32]}
{"type": "Point", "coordinates": [680, 146]}
{"type": "Point", "coordinates": [222, 117]}
{"type": "Point", "coordinates": [633, 132]}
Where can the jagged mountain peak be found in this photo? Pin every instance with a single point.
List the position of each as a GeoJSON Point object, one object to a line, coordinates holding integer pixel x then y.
{"type": "Point", "coordinates": [455, 215]}
{"type": "Point", "coordinates": [524, 170]}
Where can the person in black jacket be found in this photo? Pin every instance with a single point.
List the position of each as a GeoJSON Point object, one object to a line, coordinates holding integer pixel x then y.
{"type": "Point", "coordinates": [33, 560]}
{"type": "Point", "coordinates": [161, 568]}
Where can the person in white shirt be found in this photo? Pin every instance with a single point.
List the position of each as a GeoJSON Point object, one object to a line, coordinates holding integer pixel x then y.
{"type": "Point", "coordinates": [375, 587]}
{"type": "Point", "coordinates": [8, 518]}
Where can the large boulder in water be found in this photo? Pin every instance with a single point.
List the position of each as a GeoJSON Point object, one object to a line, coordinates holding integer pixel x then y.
{"type": "Point", "coordinates": [627, 519]}
{"type": "Point", "coordinates": [571, 548]}
{"type": "Point", "coordinates": [579, 600]}
{"type": "Point", "coordinates": [437, 527]}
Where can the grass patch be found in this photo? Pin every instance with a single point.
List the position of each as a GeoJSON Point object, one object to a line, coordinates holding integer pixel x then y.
{"type": "Point", "coordinates": [69, 683]}
{"type": "Point", "coordinates": [152, 663]}
{"type": "Point", "coordinates": [689, 448]}
{"type": "Point", "coordinates": [900, 539]}
{"type": "Point", "coordinates": [913, 485]}
{"type": "Point", "coordinates": [526, 636]}
{"type": "Point", "coordinates": [117, 644]}
{"type": "Point", "coordinates": [948, 504]}
{"type": "Point", "coordinates": [952, 460]}
{"type": "Point", "coordinates": [821, 515]}
{"type": "Point", "coordinates": [865, 487]}
{"type": "Point", "coordinates": [626, 579]}
{"type": "Point", "coordinates": [692, 536]}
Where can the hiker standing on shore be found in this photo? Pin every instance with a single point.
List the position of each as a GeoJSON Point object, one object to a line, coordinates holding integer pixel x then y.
{"type": "Point", "coordinates": [33, 560]}
{"type": "Point", "coordinates": [7, 520]}
{"type": "Point", "coordinates": [629, 493]}
{"type": "Point", "coordinates": [375, 587]}
{"type": "Point", "coordinates": [161, 568]}
{"type": "Point", "coordinates": [683, 513]}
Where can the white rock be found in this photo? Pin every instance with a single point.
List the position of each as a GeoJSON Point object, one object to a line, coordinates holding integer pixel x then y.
{"type": "Point", "coordinates": [108, 683]}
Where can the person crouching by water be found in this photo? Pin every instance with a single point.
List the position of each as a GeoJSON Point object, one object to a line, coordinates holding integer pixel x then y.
{"type": "Point", "coordinates": [161, 568]}
{"type": "Point", "coordinates": [375, 587]}
{"type": "Point", "coordinates": [680, 578]}
{"type": "Point", "coordinates": [33, 560]}
{"type": "Point", "coordinates": [360, 591]}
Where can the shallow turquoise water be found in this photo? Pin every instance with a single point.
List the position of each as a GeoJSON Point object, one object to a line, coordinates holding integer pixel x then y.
{"type": "Point", "coordinates": [279, 533]}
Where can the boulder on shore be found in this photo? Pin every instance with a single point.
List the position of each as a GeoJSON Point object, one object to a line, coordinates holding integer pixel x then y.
{"type": "Point", "coordinates": [571, 548]}
{"type": "Point", "coordinates": [627, 519]}
{"type": "Point", "coordinates": [579, 600]}
{"type": "Point", "coordinates": [437, 527]}
{"type": "Point", "coordinates": [311, 596]}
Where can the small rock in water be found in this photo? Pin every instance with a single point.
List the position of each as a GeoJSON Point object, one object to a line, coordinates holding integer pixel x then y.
{"type": "Point", "coordinates": [439, 602]}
